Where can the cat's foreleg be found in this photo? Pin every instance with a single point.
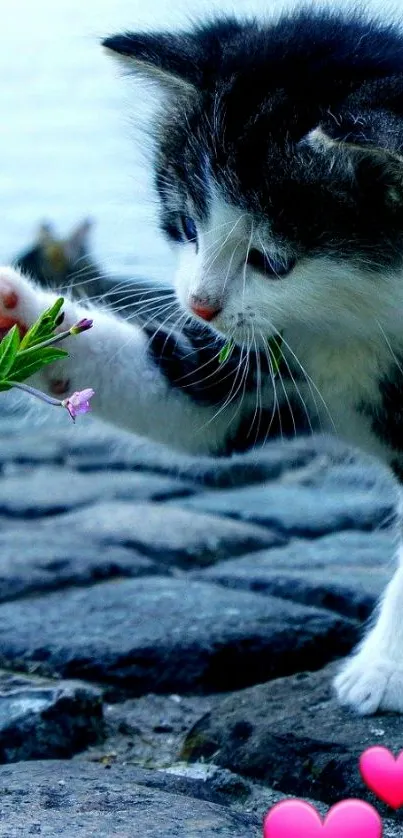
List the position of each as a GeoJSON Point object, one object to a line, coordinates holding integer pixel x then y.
{"type": "Point", "coordinates": [147, 384]}
{"type": "Point", "coordinates": [372, 679]}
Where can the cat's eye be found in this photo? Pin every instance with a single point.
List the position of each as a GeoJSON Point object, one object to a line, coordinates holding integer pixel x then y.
{"type": "Point", "coordinates": [273, 267]}
{"type": "Point", "coordinates": [180, 229]}
{"type": "Point", "coordinates": [189, 228]}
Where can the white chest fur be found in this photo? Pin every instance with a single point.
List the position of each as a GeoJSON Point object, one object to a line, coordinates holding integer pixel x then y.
{"type": "Point", "coordinates": [344, 377]}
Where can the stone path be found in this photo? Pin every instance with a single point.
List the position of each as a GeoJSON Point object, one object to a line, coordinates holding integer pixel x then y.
{"type": "Point", "coordinates": [169, 629]}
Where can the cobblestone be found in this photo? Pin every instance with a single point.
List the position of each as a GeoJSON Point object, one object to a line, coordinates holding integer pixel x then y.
{"type": "Point", "coordinates": [165, 585]}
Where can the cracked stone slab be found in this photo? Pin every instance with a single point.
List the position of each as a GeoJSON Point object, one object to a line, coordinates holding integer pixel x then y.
{"type": "Point", "coordinates": [307, 511]}
{"type": "Point", "coordinates": [74, 800]}
{"type": "Point", "coordinates": [28, 449]}
{"type": "Point", "coordinates": [78, 801]}
{"type": "Point", "coordinates": [43, 719]}
{"type": "Point", "coordinates": [242, 794]}
{"type": "Point", "coordinates": [148, 731]}
{"type": "Point", "coordinates": [168, 534]}
{"type": "Point", "coordinates": [159, 634]}
{"type": "Point", "coordinates": [52, 490]}
{"type": "Point", "coordinates": [32, 563]}
{"type": "Point", "coordinates": [239, 470]}
{"type": "Point", "coordinates": [345, 572]}
{"type": "Point", "coordinates": [293, 735]}
{"type": "Point", "coordinates": [93, 448]}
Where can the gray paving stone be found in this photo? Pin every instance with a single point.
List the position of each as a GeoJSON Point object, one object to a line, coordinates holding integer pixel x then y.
{"type": "Point", "coordinates": [32, 563]}
{"type": "Point", "coordinates": [28, 450]}
{"type": "Point", "coordinates": [345, 571]}
{"type": "Point", "coordinates": [42, 719]}
{"type": "Point", "coordinates": [239, 470]}
{"type": "Point", "coordinates": [52, 490]}
{"type": "Point", "coordinates": [298, 510]}
{"type": "Point", "coordinates": [292, 734]}
{"type": "Point", "coordinates": [56, 798]}
{"type": "Point", "coordinates": [93, 447]}
{"type": "Point", "coordinates": [251, 797]}
{"type": "Point", "coordinates": [24, 440]}
{"type": "Point", "coordinates": [74, 800]}
{"type": "Point", "coordinates": [164, 634]}
{"type": "Point", "coordinates": [169, 534]}
{"type": "Point", "coordinates": [391, 829]}
{"type": "Point", "coordinates": [347, 467]}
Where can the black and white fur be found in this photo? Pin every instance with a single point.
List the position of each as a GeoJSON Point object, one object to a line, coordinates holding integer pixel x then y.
{"type": "Point", "coordinates": [279, 167]}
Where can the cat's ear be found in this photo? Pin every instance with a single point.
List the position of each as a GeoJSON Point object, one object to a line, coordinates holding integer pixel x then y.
{"type": "Point", "coordinates": [377, 170]}
{"type": "Point", "coordinates": [171, 60]}
{"type": "Point", "coordinates": [78, 242]}
{"type": "Point", "coordinates": [80, 234]}
{"type": "Point", "coordinates": [181, 62]}
{"type": "Point", "coordinates": [45, 234]}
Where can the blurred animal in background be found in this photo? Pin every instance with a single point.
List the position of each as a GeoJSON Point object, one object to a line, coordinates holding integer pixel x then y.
{"type": "Point", "coordinates": [67, 266]}
{"type": "Point", "coordinates": [64, 264]}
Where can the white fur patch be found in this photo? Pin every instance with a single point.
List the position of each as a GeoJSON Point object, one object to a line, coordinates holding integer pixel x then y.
{"type": "Point", "coordinates": [372, 679]}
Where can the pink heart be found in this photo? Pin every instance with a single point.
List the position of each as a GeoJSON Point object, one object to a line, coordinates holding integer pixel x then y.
{"type": "Point", "coordinates": [297, 819]}
{"type": "Point", "coordinates": [383, 774]}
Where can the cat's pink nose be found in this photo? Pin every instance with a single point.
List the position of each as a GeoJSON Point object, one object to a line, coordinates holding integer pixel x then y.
{"type": "Point", "coordinates": [203, 310]}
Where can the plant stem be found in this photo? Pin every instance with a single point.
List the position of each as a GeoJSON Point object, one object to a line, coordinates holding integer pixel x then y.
{"type": "Point", "coordinates": [34, 392]}
{"type": "Point", "coordinates": [48, 342]}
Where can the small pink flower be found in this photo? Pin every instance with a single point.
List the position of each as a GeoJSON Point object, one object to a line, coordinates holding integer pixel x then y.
{"type": "Point", "coordinates": [78, 402]}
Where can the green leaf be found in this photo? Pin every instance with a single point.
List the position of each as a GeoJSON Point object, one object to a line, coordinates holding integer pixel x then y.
{"type": "Point", "coordinates": [8, 351]}
{"type": "Point", "coordinates": [5, 386]}
{"type": "Point", "coordinates": [226, 351]}
{"type": "Point", "coordinates": [44, 327]}
{"type": "Point", "coordinates": [25, 366]}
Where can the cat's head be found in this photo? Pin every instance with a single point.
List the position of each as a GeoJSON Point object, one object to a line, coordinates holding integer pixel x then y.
{"type": "Point", "coordinates": [272, 170]}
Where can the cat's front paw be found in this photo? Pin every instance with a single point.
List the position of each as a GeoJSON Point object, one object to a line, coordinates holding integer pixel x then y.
{"type": "Point", "coordinates": [369, 684]}
{"type": "Point", "coordinates": [21, 303]}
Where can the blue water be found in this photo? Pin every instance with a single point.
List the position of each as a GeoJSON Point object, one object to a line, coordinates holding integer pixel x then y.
{"type": "Point", "coordinates": [71, 135]}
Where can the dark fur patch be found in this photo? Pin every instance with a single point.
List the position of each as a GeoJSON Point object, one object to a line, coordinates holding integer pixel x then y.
{"type": "Point", "coordinates": [258, 425]}
{"type": "Point", "coordinates": [314, 51]}
{"type": "Point", "coordinates": [189, 361]}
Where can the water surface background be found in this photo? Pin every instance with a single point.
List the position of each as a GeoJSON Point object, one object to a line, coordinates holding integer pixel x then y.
{"type": "Point", "coordinates": [72, 141]}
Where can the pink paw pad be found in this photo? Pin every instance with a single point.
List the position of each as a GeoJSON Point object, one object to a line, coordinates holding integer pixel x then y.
{"type": "Point", "coordinates": [8, 301]}
{"type": "Point", "coordinates": [9, 298]}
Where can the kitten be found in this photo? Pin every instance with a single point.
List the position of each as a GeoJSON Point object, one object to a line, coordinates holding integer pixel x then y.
{"type": "Point", "coordinates": [62, 263]}
{"type": "Point", "coordinates": [279, 171]}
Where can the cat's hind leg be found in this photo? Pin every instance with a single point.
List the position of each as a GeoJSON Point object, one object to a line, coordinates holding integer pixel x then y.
{"type": "Point", "coordinates": [372, 679]}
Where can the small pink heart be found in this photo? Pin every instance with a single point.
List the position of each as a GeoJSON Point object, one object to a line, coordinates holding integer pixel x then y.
{"type": "Point", "coordinates": [297, 819]}
{"type": "Point", "coordinates": [383, 774]}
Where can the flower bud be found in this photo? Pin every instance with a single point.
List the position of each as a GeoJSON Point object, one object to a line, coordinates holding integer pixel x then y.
{"type": "Point", "coordinates": [82, 326]}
